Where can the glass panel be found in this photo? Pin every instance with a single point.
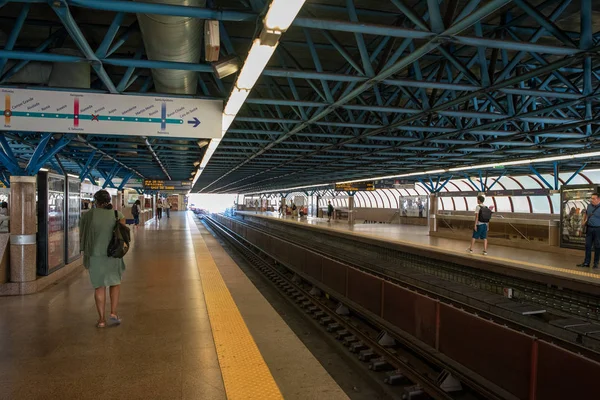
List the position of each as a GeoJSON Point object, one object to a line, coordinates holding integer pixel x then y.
{"type": "Point", "coordinates": [540, 204]}
{"type": "Point", "coordinates": [502, 204]}
{"type": "Point", "coordinates": [521, 204]}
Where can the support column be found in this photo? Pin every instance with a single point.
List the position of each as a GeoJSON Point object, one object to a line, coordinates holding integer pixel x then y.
{"type": "Point", "coordinates": [119, 201]}
{"type": "Point", "coordinates": [351, 210]}
{"type": "Point", "coordinates": [23, 229]}
{"type": "Point", "coordinates": [316, 208]}
{"type": "Point", "coordinates": [431, 216]}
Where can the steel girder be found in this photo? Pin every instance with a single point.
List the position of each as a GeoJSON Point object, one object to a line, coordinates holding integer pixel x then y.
{"type": "Point", "coordinates": [364, 91]}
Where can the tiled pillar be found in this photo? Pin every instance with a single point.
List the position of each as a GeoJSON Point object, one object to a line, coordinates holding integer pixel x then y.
{"type": "Point", "coordinates": [351, 210]}
{"type": "Point", "coordinates": [432, 215]}
{"type": "Point", "coordinates": [23, 228]}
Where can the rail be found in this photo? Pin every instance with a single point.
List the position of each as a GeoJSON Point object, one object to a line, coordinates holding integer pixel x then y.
{"type": "Point", "coordinates": [519, 362]}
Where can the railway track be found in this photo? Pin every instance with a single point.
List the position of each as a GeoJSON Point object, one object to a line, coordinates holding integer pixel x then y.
{"type": "Point", "coordinates": [402, 368]}
{"type": "Point", "coordinates": [491, 351]}
{"type": "Point", "coordinates": [559, 304]}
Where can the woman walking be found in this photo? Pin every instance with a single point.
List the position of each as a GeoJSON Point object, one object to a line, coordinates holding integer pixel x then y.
{"type": "Point", "coordinates": [96, 230]}
{"type": "Point", "coordinates": [159, 208]}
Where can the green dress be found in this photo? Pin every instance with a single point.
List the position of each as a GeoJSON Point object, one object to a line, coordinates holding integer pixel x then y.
{"type": "Point", "coordinates": [95, 230]}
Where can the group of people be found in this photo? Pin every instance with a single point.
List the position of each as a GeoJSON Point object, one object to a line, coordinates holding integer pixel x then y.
{"type": "Point", "coordinates": [163, 205]}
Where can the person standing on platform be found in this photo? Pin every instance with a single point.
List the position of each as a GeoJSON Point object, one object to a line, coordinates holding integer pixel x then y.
{"type": "Point", "coordinates": [167, 206]}
{"type": "Point", "coordinates": [95, 233]}
{"type": "Point", "coordinates": [591, 225]}
{"type": "Point", "coordinates": [421, 208]}
{"type": "Point", "coordinates": [329, 211]}
{"type": "Point", "coordinates": [482, 218]}
{"type": "Point", "coordinates": [135, 211]}
{"type": "Point", "coordinates": [159, 207]}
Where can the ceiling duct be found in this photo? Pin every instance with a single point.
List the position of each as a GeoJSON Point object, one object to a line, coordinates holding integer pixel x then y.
{"type": "Point", "coordinates": [179, 39]}
{"type": "Point", "coordinates": [70, 75]}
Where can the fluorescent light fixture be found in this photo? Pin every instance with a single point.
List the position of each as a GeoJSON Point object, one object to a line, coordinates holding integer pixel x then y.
{"type": "Point", "coordinates": [202, 143]}
{"type": "Point", "coordinates": [584, 155]}
{"type": "Point", "coordinates": [282, 13]}
{"type": "Point", "coordinates": [235, 102]}
{"type": "Point", "coordinates": [258, 57]}
{"type": "Point", "coordinates": [196, 163]}
{"type": "Point", "coordinates": [72, 176]}
{"type": "Point", "coordinates": [43, 169]}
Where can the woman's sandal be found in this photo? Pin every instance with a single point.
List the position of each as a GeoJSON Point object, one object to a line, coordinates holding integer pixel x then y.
{"type": "Point", "coordinates": [101, 325]}
{"type": "Point", "coordinates": [116, 319]}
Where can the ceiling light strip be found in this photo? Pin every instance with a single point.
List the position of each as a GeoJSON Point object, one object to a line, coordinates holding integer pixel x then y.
{"type": "Point", "coordinates": [483, 166]}
{"type": "Point", "coordinates": [280, 16]}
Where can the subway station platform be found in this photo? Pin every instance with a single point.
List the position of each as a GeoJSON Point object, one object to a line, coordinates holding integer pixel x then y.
{"type": "Point", "coordinates": [556, 268]}
{"type": "Point", "coordinates": [194, 327]}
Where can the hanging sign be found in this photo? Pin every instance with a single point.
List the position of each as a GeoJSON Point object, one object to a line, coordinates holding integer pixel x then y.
{"type": "Point", "coordinates": [109, 114]}
{"type": "Point", "coordinates": [155, 184]}
{"type": "Point", "coordinates": [354, 187]}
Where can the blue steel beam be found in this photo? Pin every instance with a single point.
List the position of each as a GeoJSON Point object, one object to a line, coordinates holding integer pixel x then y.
{"type": "Point", "coordinates": [575, 174]}
{"type": "Point", "coordinates": [62, 10]}
{"type": "Point", "coordinates": [536, 173]}
{"type": "Point", "coordinates": [40, 49]}
{"type": "Point", "coordinates": [32, 166]}
{"type": "Point", "coordinates": [102, 50]}
{"type": "Point", "coordinates": [14, 33]}
{"type": "Point", "coordinates": [125, 179]}
{"type": "Point", "coordinates": [163, 9]}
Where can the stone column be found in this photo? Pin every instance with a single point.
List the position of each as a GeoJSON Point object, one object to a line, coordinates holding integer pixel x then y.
{"type": "Point", "coordinates": [351, 210]}
{"type": "Point", "coordinates": [23, 229]}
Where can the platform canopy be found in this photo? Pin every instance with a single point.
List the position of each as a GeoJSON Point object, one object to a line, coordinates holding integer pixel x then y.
{"type": "Point", "coordinates": [354, 89]}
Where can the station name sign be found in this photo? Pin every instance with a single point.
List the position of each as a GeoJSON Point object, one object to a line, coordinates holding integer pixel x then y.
{"type": "Point", "coordinates": [500, 193]}
{"type": "Point", "coordinates": [354, 187]}
{"type": "Point", "coordinates": [154, 184]}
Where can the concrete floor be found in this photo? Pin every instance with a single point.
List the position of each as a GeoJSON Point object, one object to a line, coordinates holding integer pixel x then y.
{"type": "Point", "coordinates": [51, 349]}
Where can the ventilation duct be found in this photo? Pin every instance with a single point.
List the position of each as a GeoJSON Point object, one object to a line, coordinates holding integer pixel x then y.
{"type": "Point", "coordinates": [70, 75]}
{"type": "Point", "coordinates": [179, 39]}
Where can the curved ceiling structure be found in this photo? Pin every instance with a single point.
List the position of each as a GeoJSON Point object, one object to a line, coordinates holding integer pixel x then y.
{"type": "Point", "coordinates": [355, 88]}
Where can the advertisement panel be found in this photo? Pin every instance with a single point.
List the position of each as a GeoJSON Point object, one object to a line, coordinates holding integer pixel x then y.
{"type": "Point", "coordinates": [574, 202]}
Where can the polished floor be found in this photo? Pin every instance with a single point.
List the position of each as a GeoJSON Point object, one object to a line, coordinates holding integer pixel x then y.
{"type": "Point", "coordinates": [165, 348]}
{"type": "Point", "coordinates": [558, 264]}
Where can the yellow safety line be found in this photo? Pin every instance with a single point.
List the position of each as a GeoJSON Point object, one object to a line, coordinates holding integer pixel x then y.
{"type": "Point", "coordinates": [245, 373]}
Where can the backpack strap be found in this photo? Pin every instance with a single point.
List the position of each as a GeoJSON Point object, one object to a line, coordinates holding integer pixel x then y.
{"type": "Point", "coordinates": [116, 215]}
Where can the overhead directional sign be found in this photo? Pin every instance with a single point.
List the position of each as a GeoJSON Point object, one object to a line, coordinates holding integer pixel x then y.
{"type": "Point", "coordinates": [154, 184]}
{"type": "Point", "coordinates": [98, 113]}
{"type": "Point", "coordinates": [354, 187]}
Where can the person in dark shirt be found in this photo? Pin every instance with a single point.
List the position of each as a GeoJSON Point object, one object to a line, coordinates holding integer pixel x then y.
{"type": "Point", "coordinates": [591, 222]}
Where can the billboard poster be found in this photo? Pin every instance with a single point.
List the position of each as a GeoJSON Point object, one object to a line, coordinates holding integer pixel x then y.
{"type": "Point", "coordinates": [574, 202]}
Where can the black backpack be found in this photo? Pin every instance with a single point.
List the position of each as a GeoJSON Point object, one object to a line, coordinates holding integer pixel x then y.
{"type": "Point", "coordinates": [119, 243]}
{"type": "Point", "coordinates": [485, 214]}
{"type": "Point", "coordinates": [134, 210]}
